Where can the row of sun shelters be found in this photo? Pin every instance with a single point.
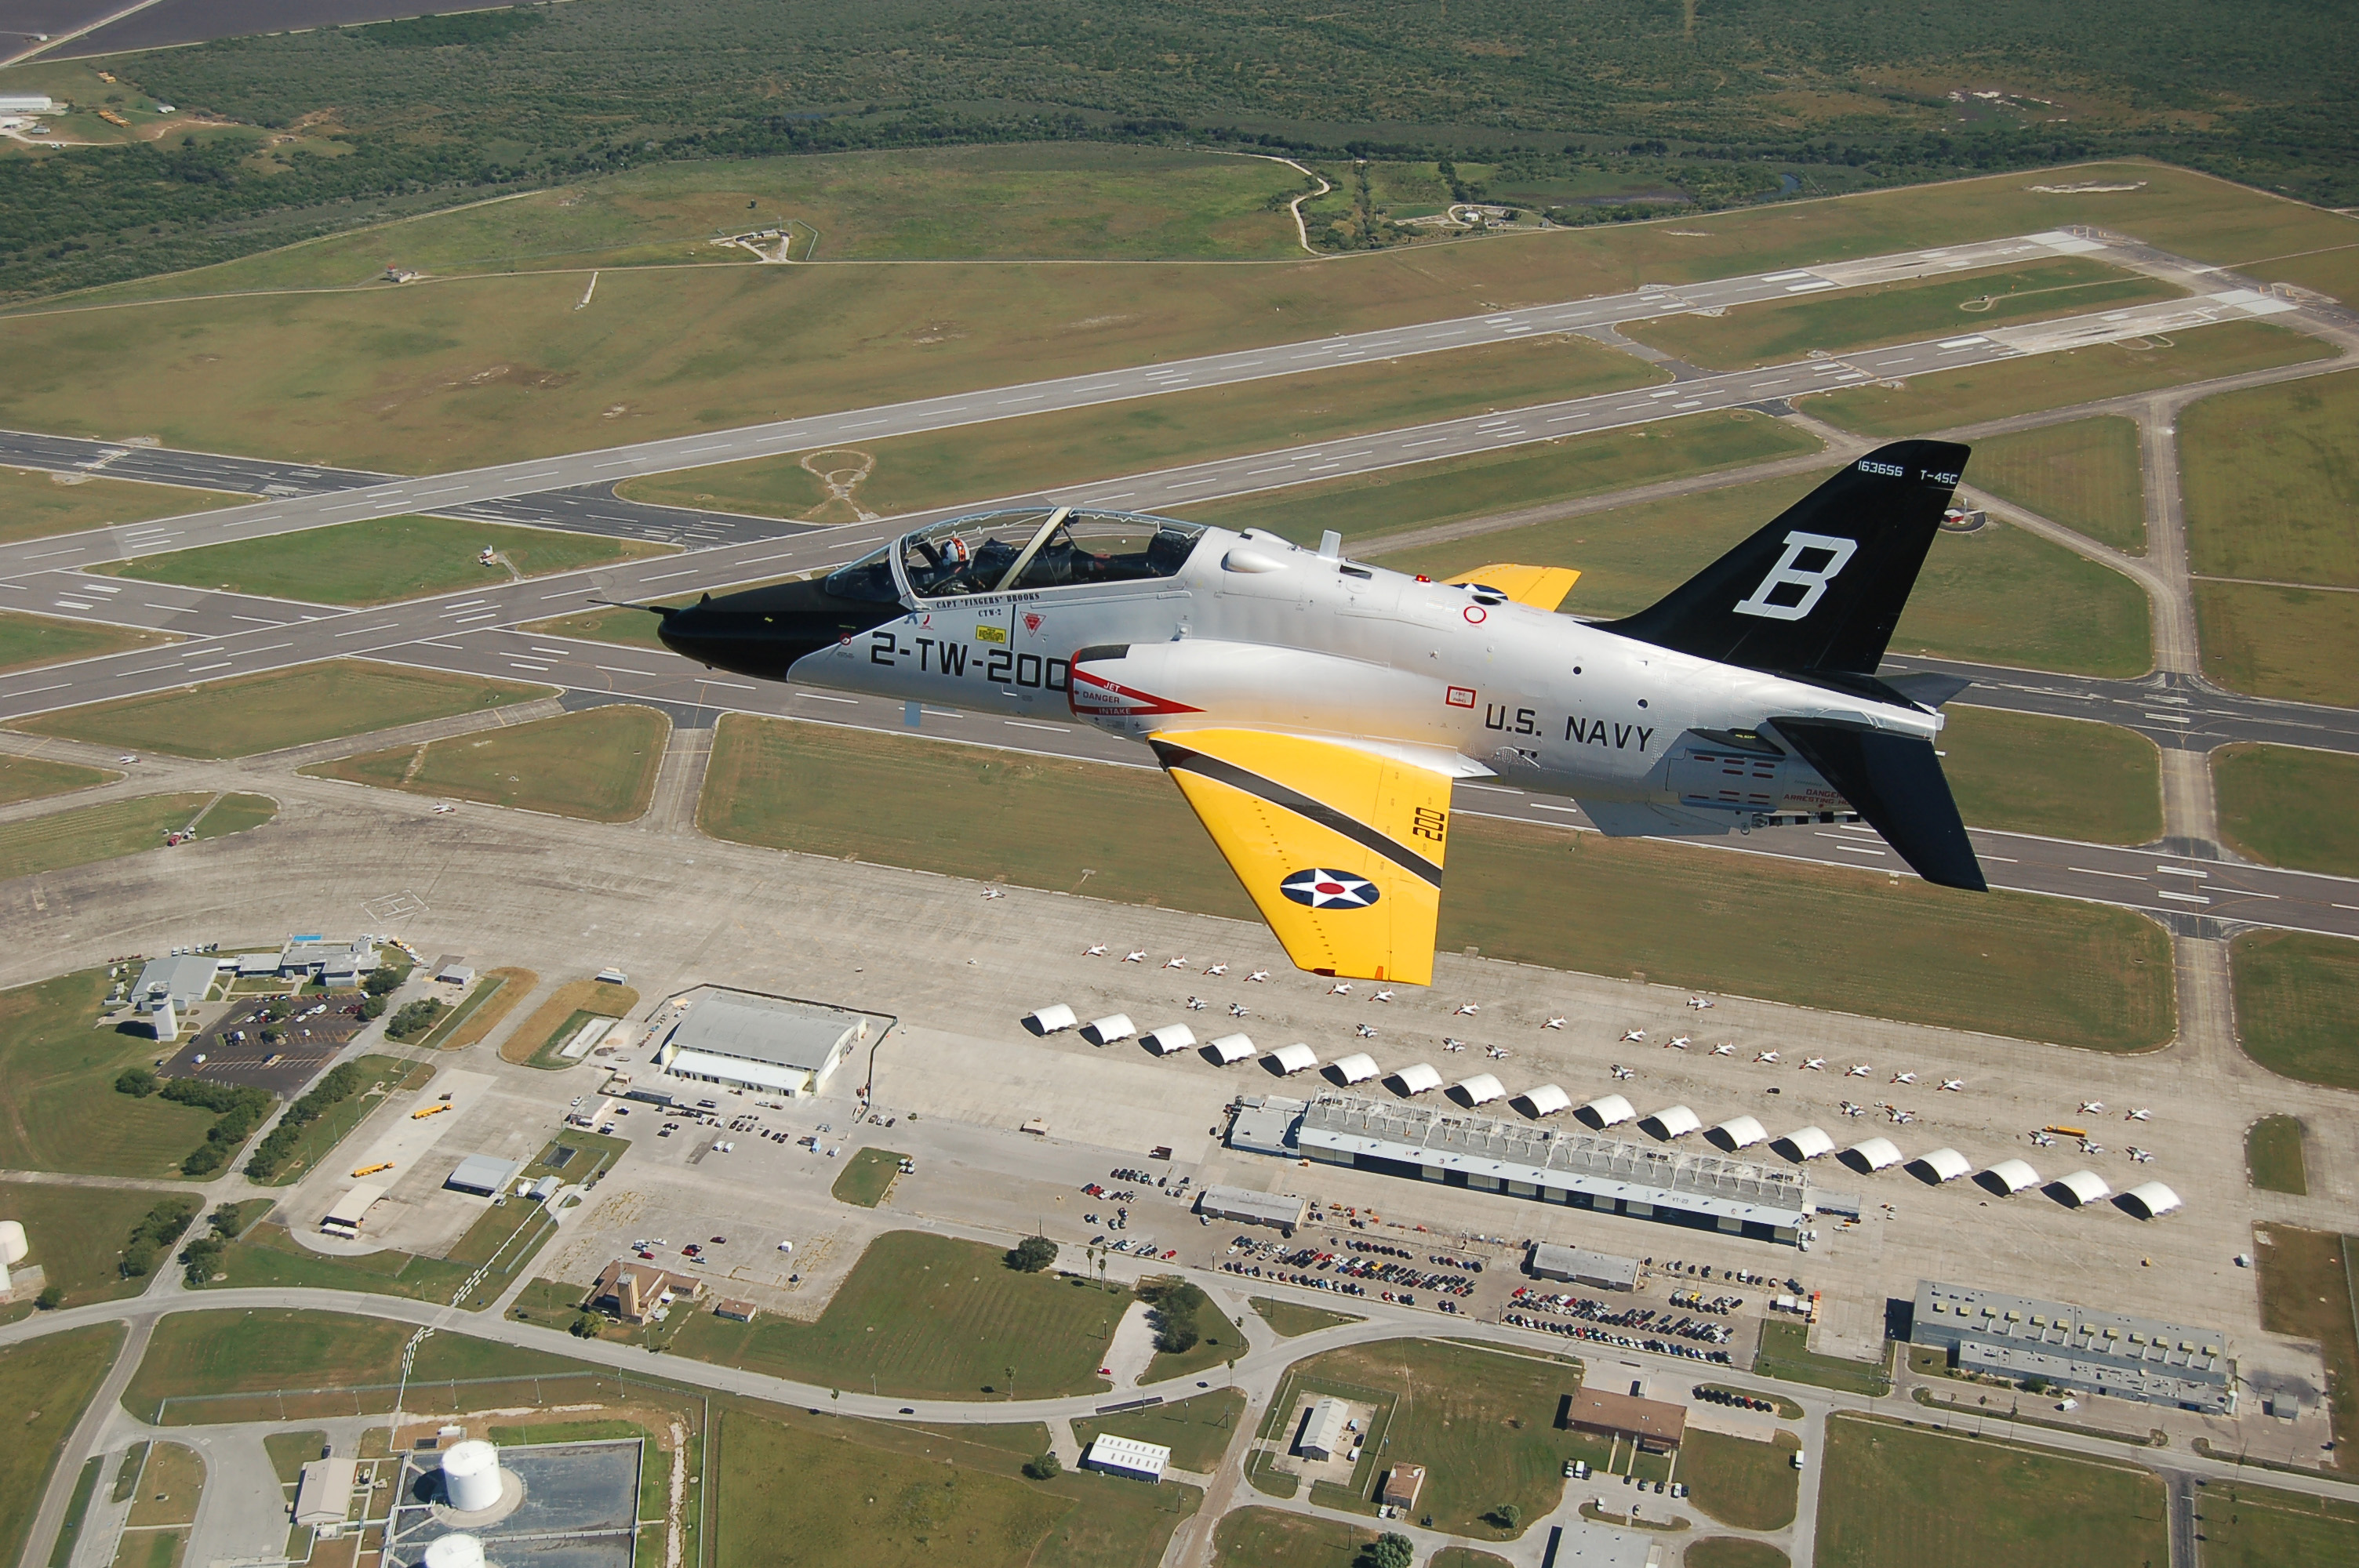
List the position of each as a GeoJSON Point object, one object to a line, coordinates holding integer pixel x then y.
{"type": "Point", "coordinates": [1359, 1068]}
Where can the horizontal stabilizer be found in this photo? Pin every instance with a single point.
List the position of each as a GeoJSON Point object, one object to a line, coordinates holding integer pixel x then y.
{"type": "Point", "coordinates": [1895, 782]}
{"type": "Point", "coordinates": [1543, 588]}
{"type": "Point", "coordinates": [1928, 688]}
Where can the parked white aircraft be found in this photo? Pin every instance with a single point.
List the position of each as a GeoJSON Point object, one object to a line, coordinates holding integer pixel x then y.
{"type": "Point", "coordinates": [1631, 1036]}
{"type": "Point", "coordinates": [1316, 712]}
{"type": "Point", "coordinates": [1857, 1070]}
{"type": "Point", "coordinates": [1955, 1085]}
{"type": "Point", "coordinates": [1096, 952]}
{"type": "Point", "coordinates": [1256, 975]}
{"type": "Point", "coordinates": [1815, 1063]}
{"type": "Point", "coordinates": [1619, 1071]}
{"type": "Point", "coordinates": [1365, 1030]}
{"type": "Point", "coordinates": [1467, 1010]}
{"type": "Point", "coordinates": [1904, 1077]}
{"type": "Point", "coordinates": [1137, 956]}
{"type": "Point", "coordinates": [1218, 969]}
{"type": "Point", "coordinates": [2092, 1106]}
{"type": "Point", "coordinates": [1382, 996]}
{"type": "Point", "coordinates": [1553, 1023]}
{"type": "Point", "coordinates": [1679, 1042]}
{"type": "Point", "coordinates": [2139, 1115]}
{"type": "Point", "coordinates": [1340, 989]}
{"type": "Point", "coordinates": [1768, 1056]}
{"type": "Point", "coordinates": [1700, 1002]}
{"type": "Point", "coordinates": [1179, 963]}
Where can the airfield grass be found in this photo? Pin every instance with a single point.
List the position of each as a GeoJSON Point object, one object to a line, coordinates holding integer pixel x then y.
{"type": "Point", "coordinates": [1270, 1538]}
{"type": "Point", "coordinates": [782, 486]}
{"type": "Point", "coordinates": [2082, 473]}
{"type": "Point", "coordinates": [2281, 805]}
{"type": "Point", "coordinates": [598, 764]}
{"type": "Point", "coordinates": [2006, 963]}
{"type": "Point", "coordinates": [1196, 1431]}
{"type": "Point", "coordinates": [247, 714]}
{"type": "Point", "coordinates": [80, 835]}
{"type": "Point", "coordinates": [77, 1236]}
{"type": "Point", "coordinates": [873, 1494]}
{"type": "Point", "coordinates": [50, 1382]}
{"type": "Point", "coordinates": [1837, 320]}
{"type": "Point", "coordinates": [1482, 1423]}
{"type": "Point", "coordinates": [27, 641]}
{"type": "Point", "coordinates": [380, 1074]}
{"type": "Point", "coordinates": [170, 1484]}
{"type": "Point", "coordinates": [290, 1451]}
{"type": "Point", "coordinates": [866, 1177]}
{"type": "Point", "coordinates": [2296, 993]}
{"type": "Point", "coordinates": [538, 1035]}
{"type": "Point", "coordinates": [1018, 456]}
{"type": "Point", "coordinates": [1785, 1352]}
{"type": "Point", "coordinates": [2298, 644]}
{"type": "Point", "coordinates": [34, 505]}
{"type": "Point", "coordinates": [2246, 1526]}
{"type": "Point", "coordinates": [1895, 1494]}
{"type": "Point", "coordinates": [2000, 595]}
{"type": "Point", "coordinates": [930, 1316]}
{"type": "Point", "coordinates": [2059, 778]}
{"type": "Point", "coordinates": [2306, 1293]}
{"type": "Point", "coordinates": [78, 1503]}
{"type": "Point", "coordinates": [378, 560]}
{"type": "Point", "coordinates": [60, 1110]}
{"type": "Point", "coordinates": [32, 778]}
{"type": "Point", "coordinates": [2272, 479]}
{"type": "Point", "coordinates": [1293, 1319]}
{"type": "Point", "coordinates": [631, 628]}
{"type": "Point", "coordinates": [2332, 270]}
{"type": "Point", "coordinates": [1486, 484]}
{"type": "Point", "coordinates": [1732, 1552]}
{"type": "Point", "coordinates": [1467, 1557]}
{"type": "Point", "coordinates": [471, 1022]}
{"type": "Point", "coordinates": [267, 1258]}
{"type": "Point", "coordinates": [2273, 1157]}
{"type": "Point", "coordinates": [1222, 1344]}
{"type": "Point", "coordinates": [1740, 1483]}
{"type": "Point", "coordinates": [1944, 400]}
{"type": "Point", "coordinates": [438, 376]}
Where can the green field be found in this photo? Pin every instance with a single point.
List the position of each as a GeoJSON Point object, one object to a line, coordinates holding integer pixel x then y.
{"type": "Point", "coordinates": [83, 834]}
{"type": "Point", "coordinates": [2307, 1291]}
{"type": "Point", "coordinates": [1014, 456]}
{"type": "Point", "coordinates": [1894, 1495]}
{"type": "Point", "coordinates": [29, 639]}
{"type": "Point", "coordinates": [632, 628]}
{"type": "Point", "coordinates": [598, 764]}
{"type": "Point", "coordinates": [1740, 1483]}
{"type": "Point", "coordinates": [1785, 1352]}
{"type": "Point", "coordinates": [196, 1353]}
{"type": "Point", "coordinates": [540, 1038]}
{"type": "Point", "coordinates": [1483, 484]}
{"type": "Point", "coordinates": [2060, 778]}
{"type": "Point", "coordinates": [320, 1137]}
{"type": "Point", "coordinates": [2246, 1526]}
{"type": "Point", "coordinates": [2277, 806]}
{"type": "Point", "coordinates": [1948, 399]}
{"type": "Point", "coordinates": [266, 1255]}
{"type": "Point", "coordinates": [929, 1316]}
{"type": "Point", "coordinates": [1292, 1318]}
{"type": "Point", "coordinates": [2082, 473]}
{"type": "Point", "coordinates": [2006, 963]}
{"type": "Point", "coordinates": [290, 1451]}
{"type": "Point", "coordinates": [1942, 306]}
{"type": "Point", "coordinates": [60, 1110]}
{"type": "Point", "coordinates": [51, 1381]}
{"type": "Point", "coordinates": [170, 1483]}
{"type": "Point", "coordinates": [2272, 479]}
{"type": "Point", "coordinates": [1198, 1431]}
{"type": "Point", "coordinates": [2299, 644]}
{"type": "Point", "coordinates": [31, 778]}
{"type": "Point", "coordinates": [284, 708]}
{"type": "Point", "coordinates": [2273, 1158]}
{"type": "Point", "coordinates": [33, 505]}
{"type": "Point", "coordinates": [2000, 595]}
{"type": "Point", "coordinates": [2296, 993]}
{"type": "Point", "coordinates": [1731, 1551]}
{"type": "Point", "coordinates": [381, 559]}
{"type": "Point", "coordinates": [1482, 1423]}
{"type": "Point", "coordinates": [1266, 1538]}
{"type": "Point", "coordinates": [867, 1176]}
{"type": "Point", "coordinates": [2333, 271]}
{"type": "Point", "coordinates": [869, 1496]}
{"type": "Point", "coordinates": [77, 1236]}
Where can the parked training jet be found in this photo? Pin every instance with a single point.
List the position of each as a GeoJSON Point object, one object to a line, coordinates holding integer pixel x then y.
{"type": "Point", "coordinates": [1315, 712]}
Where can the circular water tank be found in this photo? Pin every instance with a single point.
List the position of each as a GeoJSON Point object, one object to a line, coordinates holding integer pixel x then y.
{"type": "Point", "coordinates": [456, 1551]}
{"type": "Point", "coordinates": [471, 1479]}
{"type": "Point", "coordinates": [12, 1245]}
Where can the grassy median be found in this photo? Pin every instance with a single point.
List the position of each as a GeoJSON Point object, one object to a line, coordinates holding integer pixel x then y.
{"type": "Point", "coordinates": [598, 764]}
{"type": "Point", "coordinates": [2083, 473]}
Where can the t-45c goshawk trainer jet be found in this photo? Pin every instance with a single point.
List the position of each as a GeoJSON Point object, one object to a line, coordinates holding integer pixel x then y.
{"type": "Point", "coordinates": [1315, 711]}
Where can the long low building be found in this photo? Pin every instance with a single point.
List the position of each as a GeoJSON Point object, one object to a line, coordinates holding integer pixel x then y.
{"type": "Point", "coordinates": [1580, 1266]}
{"type": "Point", "coordinates": [1283, 1211]}
{"type": "Point", "coordinates": [1127, 1456]}
{"type": "Point", "coordinates": [1555, 1164]}
{"type": "Point", "coordinates": [2081, 1349]}
{"type": "Point", "coordinates": [1654, 1425]}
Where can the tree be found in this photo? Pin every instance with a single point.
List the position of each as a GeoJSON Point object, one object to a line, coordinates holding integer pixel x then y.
{"type": "Point", "coordinates": [1176, 1304]}
{"type": "Point", "coordinates": [138, 1082]}
{"type": "Point", "coordinates": [382, 980]}
{"type": "Point", "coordinates": [586, 1325]}
{"type": "Point", "coordinates": [51, 1299]}
{"type": "Point", "coordinates": [1032, 1254]}
{"type": "Point", "coordinates": [1390, 1550]}
{"type": "Point", "coordinates": [372, 1007]}
{"type": "Point", "coordinates": [1506, 1517]}
{"type": "Point", "coordinates": [1044, 1467]}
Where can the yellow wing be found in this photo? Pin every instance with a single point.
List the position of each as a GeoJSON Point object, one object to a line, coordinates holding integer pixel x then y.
{"type": "Point", "coordinates": [1341, 849]}
{"type": "Point", "coordinates": [1543, 588]}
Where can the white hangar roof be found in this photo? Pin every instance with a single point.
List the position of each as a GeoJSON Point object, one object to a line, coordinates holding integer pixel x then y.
{"type": "Point", "coordinates": [1808, 1143]}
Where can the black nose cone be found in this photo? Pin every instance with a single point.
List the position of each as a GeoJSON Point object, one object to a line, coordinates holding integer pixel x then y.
{"type": "Point", "coordinates": [763, 631]}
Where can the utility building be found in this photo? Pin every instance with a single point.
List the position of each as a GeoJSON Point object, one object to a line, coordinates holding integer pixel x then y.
{"type": "Point", "coordinates": [1127, 1456]}
{"type": "Point", "coordinates": [1653, 1425]}
{"type": "Point", "coordinates": [184, 981]}
{"type": "Point", "coordinates": [1580, 1266]}
{"type": "Point", "coordinates": [2094, 1352]}
{"type": "Point", "coordinates": [763, 1043]}
{"type": "Point", "coordinates": [325, 1494]}
{"type": "Point", "coordinates": [484, 1175]}
{"type": "Point", "coordinates": [1326, 1429]}
{"type": "Point", "coordinates": [1282, 1212]}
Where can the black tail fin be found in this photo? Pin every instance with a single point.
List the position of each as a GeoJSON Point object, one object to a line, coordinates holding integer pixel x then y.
{"type": "Point", "coordinates": [1896, 782]}
{"type": "Point", "coordinates": [1821, 587]}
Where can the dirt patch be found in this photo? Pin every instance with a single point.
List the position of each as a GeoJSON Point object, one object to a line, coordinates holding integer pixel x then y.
{"type": "Point", "coordinates": [574, 996]}
{"type": "Point", "coordinates": [515, 986]}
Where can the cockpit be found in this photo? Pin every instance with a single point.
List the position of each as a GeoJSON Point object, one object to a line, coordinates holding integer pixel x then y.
{"type": "Point", "coordinates": [1020, 550]}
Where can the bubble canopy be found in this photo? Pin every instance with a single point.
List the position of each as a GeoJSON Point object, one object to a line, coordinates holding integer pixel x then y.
{"type": "Point", "coordinates": [1025, 549]}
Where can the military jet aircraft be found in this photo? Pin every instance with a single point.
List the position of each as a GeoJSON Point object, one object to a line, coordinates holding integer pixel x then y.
{"type": "Point", "coordinates": [1316, 712]}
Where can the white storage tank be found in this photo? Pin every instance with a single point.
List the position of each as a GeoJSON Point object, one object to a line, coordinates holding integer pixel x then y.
{"type": "Point", "coordinates": [455, 1551]}
{"type": "Point", "coordinates": [471, 1477]}
{"type": "Point", "coordinates": [14, 1248]}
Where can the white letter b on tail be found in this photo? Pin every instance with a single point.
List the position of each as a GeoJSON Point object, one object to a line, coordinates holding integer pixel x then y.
{"type": "Point", "coordinates": [1791, 591]}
